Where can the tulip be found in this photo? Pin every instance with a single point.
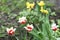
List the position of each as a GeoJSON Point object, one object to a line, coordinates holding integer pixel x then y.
{"type": "Point", "coordinates": [29, 27]}
{"type": "Point", "coordinates": [54, 27]}
{"type": "Point", "coordinates": [11, 31]}
{"type": "Point", "coordinates": [22, 20]}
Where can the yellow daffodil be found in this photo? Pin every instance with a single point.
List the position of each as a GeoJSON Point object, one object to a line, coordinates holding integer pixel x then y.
{"type": "Point", "coordinates": [42, 10]}
{"type": "Point", "coordinates": [41, 3]}
{"type": "Point", "coordinates": [30, 5]}
{"type": "Point", "coordinates": [46, 11]}
{"type": "Point", "coordinates": [41, 7]}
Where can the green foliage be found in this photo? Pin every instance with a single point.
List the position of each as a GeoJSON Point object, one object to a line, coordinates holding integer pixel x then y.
{"type": "Point", "coordinates": [42, 28]}
{"type": "Point", "coordinates": [9, 9]}
{"type": "Point", "coordinates": [12, 10]}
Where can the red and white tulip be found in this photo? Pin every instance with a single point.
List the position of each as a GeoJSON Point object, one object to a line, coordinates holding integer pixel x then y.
{"type": "Point", "coordinates": [29, 27]}
{"type": "Point", "coordinates": [10, 31]}
{"type": "Point", "coordinates": [54, 26]}
{"type": "Point", "coordinates": [22, 20]}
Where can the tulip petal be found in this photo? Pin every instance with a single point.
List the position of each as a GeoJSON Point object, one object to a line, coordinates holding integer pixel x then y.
{"type": "Point", "coordinates": [14, 29]}
{"type": "Point", "coordinates": [7, 29]}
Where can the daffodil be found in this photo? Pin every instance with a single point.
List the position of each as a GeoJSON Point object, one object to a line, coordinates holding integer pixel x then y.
{"type": "Point", "coordinates": [46, 11]}
{"type": "Point", "coordinates": [41, 3]}
{"type": "Point", "coordinates": [42, 10]}
{"type": "Point", "coordinates": [30, 5]}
